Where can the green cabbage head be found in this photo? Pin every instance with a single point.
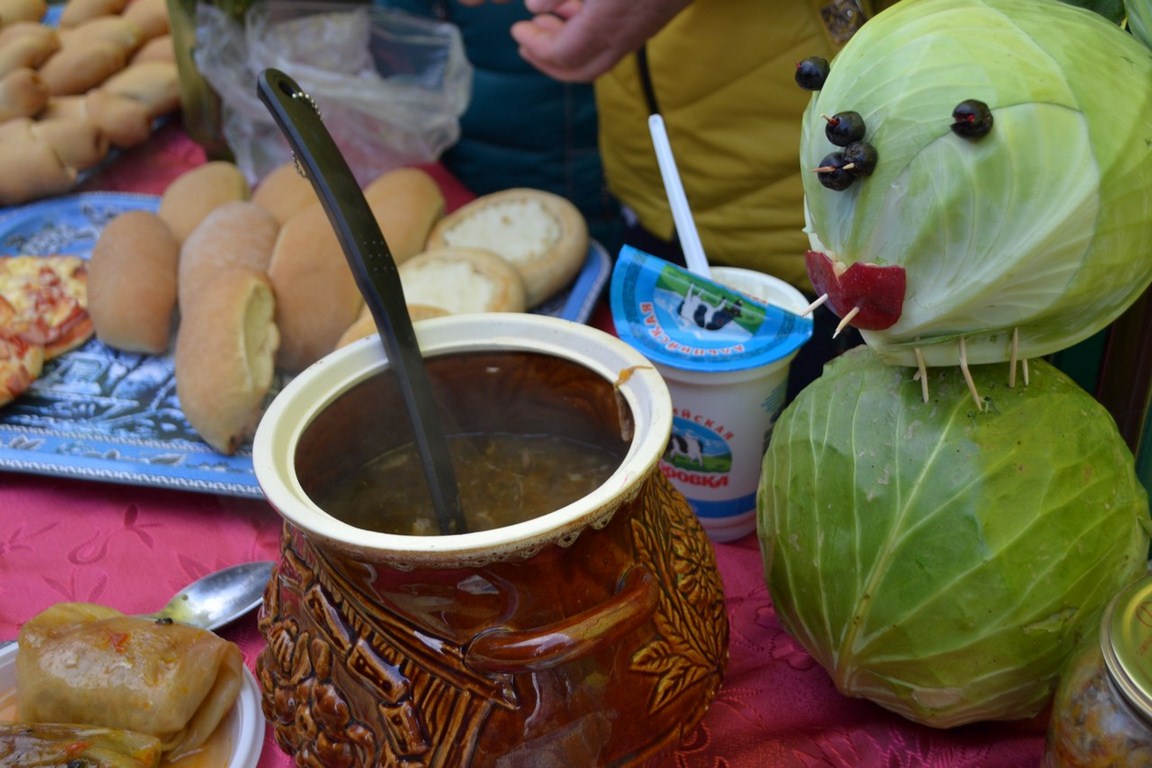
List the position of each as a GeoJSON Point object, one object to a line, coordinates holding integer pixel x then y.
{"type": "Point", "coordinates": [939, 560]}
{"type": "Point", "coordinates": [1043, 225]}
{"type": "Point", "coordinates": [1140, 19]}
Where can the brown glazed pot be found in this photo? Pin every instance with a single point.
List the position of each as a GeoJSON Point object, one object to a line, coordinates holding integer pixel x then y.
{"type": "Point", "coordinates": [594, 635]}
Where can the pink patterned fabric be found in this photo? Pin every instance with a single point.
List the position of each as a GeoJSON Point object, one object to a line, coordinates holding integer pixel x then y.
{"type": "Point", "coordinates": [133, 547]}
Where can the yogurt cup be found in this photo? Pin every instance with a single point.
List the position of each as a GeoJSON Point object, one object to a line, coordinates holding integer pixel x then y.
{"type": "Point", "coordinates": [724, 347]}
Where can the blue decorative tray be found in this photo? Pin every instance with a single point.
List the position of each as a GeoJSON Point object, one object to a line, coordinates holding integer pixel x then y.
{"type": "Point", "coordinates": [101, 414]}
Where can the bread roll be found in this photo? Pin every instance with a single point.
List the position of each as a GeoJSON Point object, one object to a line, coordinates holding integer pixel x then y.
{"type": "Point", "coordinates": [225, 352]}
{"type": "Point", "coordinates": [195, 193]}
{"type": "Point", "coordinates": [22, 10]}
{"type": "Point", "coordinates": [26, 44]}
{"type": "Point", "coordinates": [126, 122]}
{"type": "Point", "coordinates": [132, 283]}
{"type": "Point", "coordinates": [237, 233]}
{"type": "Point", "coordinates": [544, 236]}
{"type": "Point", "coordinates": [79, 144]}
{"type": "Point", "coordinates": [462, 281]}
{"type": "Point", "coordinates": [157, 49]}
{"type": "Point", "coordinates": [150, 16]}
{"type": "Point", "coordinates": [77, 12]}
{"type": "Point", "coordinates": [30, 167]}
{"type": "Point", "coordinates": [155, 84]}
{"type": "Point", "coordinates": [284, 192]}
{"type": "Point", "coordinates": [22, 94]}
{"type": "Point", "coordinates": [365, 324]}
{"type": "Point", "coordinates": [316, 295]}
{"type": "Point", "coordinates": [406, 203]}
{"type": "Point", "coordinates": [79, 68]}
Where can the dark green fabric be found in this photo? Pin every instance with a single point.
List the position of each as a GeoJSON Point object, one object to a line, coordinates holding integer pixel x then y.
{"type": "Point", "coordinates": [522, 128]}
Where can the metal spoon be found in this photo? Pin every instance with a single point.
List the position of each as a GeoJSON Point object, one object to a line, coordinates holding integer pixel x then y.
{"type": "Point", "coordinates": [218, 598]}
{"type": "Point", "coordinates": [376, 275]}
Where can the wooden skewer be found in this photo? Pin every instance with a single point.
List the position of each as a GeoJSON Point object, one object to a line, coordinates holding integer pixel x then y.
{"type": "Point", "coordinates": [968, 375]}
{"type": "Point", "coordinates": [921, 372]}
{"type": "Point", "coordinates": [845, 320]}
{"type": "Point", "coordinates": [812, 307]}
{"type": "Point", "coordinates": [1012, 358]}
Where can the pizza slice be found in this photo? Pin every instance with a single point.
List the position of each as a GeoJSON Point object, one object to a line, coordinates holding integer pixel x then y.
{"type": "Point", "coordinates": [21, 360]}
{"type": "Point", "coordinates": [50, 298]}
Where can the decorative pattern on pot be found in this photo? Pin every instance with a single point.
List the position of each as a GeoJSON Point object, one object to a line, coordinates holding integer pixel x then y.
{"type": "Point", "coordinates": [366, 666]}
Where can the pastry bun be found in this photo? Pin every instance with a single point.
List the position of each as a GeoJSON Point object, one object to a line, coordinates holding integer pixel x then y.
{"type": "Point", "coordinates": [225, 352]}
{"type": "Point", "coordinates": [132, 283]}
{"type": "Point", "coordinates": [543, 235]}
{"type": "Point", "coordinates": [197, 192]}
{"type": "Point", "coordinates": [238, 233]}
{"type": "Point", "coordinates": [462, 280]}
{"type": "Point", "coordinates": [365, 325]}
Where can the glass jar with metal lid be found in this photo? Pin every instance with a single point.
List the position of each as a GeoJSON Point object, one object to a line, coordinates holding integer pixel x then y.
{"type": "Point", "coordinates": [1102, 712]}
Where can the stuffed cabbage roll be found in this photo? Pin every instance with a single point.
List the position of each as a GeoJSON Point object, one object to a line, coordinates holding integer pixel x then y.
{"type": "Point", "coordinates": [85, 663]}
{"type": "Point", "coordinates": [51, 745]}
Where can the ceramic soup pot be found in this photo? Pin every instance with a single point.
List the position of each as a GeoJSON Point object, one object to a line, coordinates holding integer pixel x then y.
{"type": "Point", "coordinates": [591, 635]}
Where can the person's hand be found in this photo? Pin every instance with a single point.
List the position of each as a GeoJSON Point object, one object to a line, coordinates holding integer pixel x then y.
{"type": "Point", "coordinates": [579, 40]}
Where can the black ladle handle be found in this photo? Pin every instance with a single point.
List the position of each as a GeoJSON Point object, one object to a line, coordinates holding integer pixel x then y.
{"type": "Point", "coordinates": [376, 275]}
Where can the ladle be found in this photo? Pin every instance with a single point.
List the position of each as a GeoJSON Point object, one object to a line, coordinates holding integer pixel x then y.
{"type": "Point", "coordinates": [376, 275]}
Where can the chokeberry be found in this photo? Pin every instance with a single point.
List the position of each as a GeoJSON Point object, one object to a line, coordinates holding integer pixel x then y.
{"type": "Point", "coordinates": [812, 72]}
{"type": "Point", "coordinates": [843, 128]}
{"type": "Point", "coordinates": [859, 158]}
{"type": "Point", "coordinates": [971, 119]}
{"type": "Point", "coordinates": [832, 174]}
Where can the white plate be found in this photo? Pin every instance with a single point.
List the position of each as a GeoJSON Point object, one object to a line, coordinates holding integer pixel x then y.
{"type": "Point", "coordinates": [245, 722]}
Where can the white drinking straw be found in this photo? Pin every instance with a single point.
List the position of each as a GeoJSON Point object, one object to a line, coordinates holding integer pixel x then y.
{"type": "Point", "coordinates": [685, 226]}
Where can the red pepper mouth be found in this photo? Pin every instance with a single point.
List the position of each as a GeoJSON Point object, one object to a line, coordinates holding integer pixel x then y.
{"type": "Point", "coordinates": [869, 296]}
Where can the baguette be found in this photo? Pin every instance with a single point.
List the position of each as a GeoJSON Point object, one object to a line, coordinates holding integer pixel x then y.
{"type": "Point", "coordinates": [225, 352]}
{"type": "Point", "coordinates": [132, 283]}
{"type": "Point", "coordinates": [238, 233]}
{"type": "Point", "coordinates": [463, 280]}
{"type": "Point", "coordinates": [544, 236]}
{"type": "Point", "coordinates": [195, 193]}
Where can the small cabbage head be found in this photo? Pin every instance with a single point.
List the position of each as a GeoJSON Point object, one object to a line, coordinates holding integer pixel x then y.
{"type": "Point", "coordinates": [1041, 226]}
{"type": "Point", "coordinates": [940, 560]}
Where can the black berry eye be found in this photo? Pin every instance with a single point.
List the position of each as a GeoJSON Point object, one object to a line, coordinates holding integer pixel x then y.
{"type": "Point", "coordinates": [832, 173]}
{"type": "Point", "coordinates": [971, 119]}
{"type": "Point", "coordinates": [843, 128]}
{"type": "Point", "coordinates": [859, 158]}
{"type": "Point", "coordinates": [812, 72]}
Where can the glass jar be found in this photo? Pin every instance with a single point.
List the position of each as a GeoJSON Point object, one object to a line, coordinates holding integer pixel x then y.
{"type": "Point", "coordinates": [1102, 712]}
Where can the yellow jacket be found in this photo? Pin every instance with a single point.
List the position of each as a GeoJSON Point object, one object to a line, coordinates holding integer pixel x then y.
{"type": "Point", "coordinates": [723, 76]}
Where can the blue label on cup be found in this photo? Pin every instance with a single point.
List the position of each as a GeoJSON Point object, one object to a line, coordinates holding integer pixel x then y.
{"type": "Point", "coordinates": [683, 320]}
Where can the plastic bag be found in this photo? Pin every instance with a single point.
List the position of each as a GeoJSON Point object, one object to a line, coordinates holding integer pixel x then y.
{"type": "Point", "coordinates": [390, 86]}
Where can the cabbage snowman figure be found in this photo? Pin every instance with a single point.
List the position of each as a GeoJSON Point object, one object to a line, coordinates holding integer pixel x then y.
{"type": "Point", "coordinates": [980, 185]}
{"type": "Point", "coordinates": [980, 194]}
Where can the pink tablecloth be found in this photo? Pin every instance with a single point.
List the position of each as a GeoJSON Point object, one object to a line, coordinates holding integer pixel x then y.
{"type": "Point", "coordinates": [132, 547]}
